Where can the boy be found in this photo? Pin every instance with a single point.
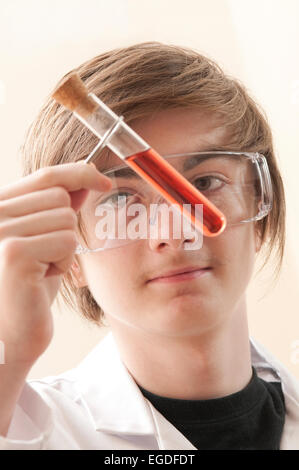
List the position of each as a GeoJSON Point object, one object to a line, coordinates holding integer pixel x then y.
{"type": "Point", "coordinates": [178, 369]}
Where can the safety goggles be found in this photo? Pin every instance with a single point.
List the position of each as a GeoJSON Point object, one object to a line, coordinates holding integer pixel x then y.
{"type": "Point", "coordinates": [237, 183]}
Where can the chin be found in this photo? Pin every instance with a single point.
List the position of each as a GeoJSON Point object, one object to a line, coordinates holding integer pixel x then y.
{"type": "Point", "coordinates": [184, 315]}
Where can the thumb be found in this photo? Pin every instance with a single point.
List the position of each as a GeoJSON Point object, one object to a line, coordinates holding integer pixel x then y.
{"type": "Point", "coordinates": [78, 198]}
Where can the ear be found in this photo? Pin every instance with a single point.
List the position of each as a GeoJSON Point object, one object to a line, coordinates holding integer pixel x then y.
{"type": "Point", "coordinates": [78, 275]}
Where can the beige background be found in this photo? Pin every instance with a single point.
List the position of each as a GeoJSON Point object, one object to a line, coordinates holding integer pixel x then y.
{"type": "Point", "coordinates": [255, 41]}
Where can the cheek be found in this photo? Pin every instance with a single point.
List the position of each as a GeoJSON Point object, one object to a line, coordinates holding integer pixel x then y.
{"type": "Point", "coordinates": [234, 252]}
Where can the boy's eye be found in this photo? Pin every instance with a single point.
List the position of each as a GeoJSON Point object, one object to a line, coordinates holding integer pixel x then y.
{"type": "Point", "coordinates": [119, 198]}
{"type": "Point", "coordinates": [208, 183]}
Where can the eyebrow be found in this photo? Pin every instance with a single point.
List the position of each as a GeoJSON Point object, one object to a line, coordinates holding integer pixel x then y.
{"type": "Point", "coordinates": [192, 161]}
{"type": "Point", "coordinates": [125, 172]}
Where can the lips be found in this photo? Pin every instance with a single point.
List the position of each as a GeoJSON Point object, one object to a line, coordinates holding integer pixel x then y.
{"type": "Point", "coordinates": [187, 269]}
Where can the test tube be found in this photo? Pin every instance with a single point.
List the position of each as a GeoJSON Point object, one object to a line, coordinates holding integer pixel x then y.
{"type": "Point", "coordinates": [124, 142]}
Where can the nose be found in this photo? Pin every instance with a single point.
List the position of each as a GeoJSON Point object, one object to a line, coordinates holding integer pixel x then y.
{"type": "Point", "coordinates": [167, 228]}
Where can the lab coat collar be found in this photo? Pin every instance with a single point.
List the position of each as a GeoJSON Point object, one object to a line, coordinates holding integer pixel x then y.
{"type": "Point", "coordinates": [268, 366]}
{"type": "Point", "coordinates": [118, 406]}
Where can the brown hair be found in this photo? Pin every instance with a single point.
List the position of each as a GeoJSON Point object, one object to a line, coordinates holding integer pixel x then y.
{"type": "Point", "coordinates": [136, 82]}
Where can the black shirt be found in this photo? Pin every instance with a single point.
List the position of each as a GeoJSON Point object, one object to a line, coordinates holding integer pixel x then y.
{"type": "Point", "coordinates": [251, 419]}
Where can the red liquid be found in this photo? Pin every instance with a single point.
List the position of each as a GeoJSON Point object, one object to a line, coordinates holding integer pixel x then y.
{"type": "Point", "coordinates": [177, 190]}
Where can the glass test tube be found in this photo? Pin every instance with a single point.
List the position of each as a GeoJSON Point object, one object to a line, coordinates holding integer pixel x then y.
{"type": "Point", "coordinates": [147, 163]}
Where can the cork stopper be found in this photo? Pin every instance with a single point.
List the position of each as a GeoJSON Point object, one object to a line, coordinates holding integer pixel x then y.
{"type": "Point", "coordinates": [73, 95]}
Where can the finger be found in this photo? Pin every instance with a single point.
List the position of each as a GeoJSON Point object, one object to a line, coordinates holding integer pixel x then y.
{"type": "Point", "coordinates": [78, 198]}
{"type": "Point", "coordinates": [39, 222]}
{"type": "Point", "coordinates": [56, 269]}
{"type": "Point", "coordinates": [37, 201]}
{"type": "Point", "coordinates": [71, 176]}
{"type": "Point", "coordinates": [33, 256]}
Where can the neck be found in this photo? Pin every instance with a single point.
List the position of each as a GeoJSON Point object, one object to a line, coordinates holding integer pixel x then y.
{"type": "Point", "coordinates": [210, 365]}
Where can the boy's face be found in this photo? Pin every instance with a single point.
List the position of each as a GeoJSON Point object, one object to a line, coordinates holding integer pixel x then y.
{"type": "Point", "coordinates": [119, 278]}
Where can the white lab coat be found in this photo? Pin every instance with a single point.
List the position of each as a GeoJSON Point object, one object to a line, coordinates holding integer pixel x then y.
{"type": "Point", "coordinates": [98, 405]}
